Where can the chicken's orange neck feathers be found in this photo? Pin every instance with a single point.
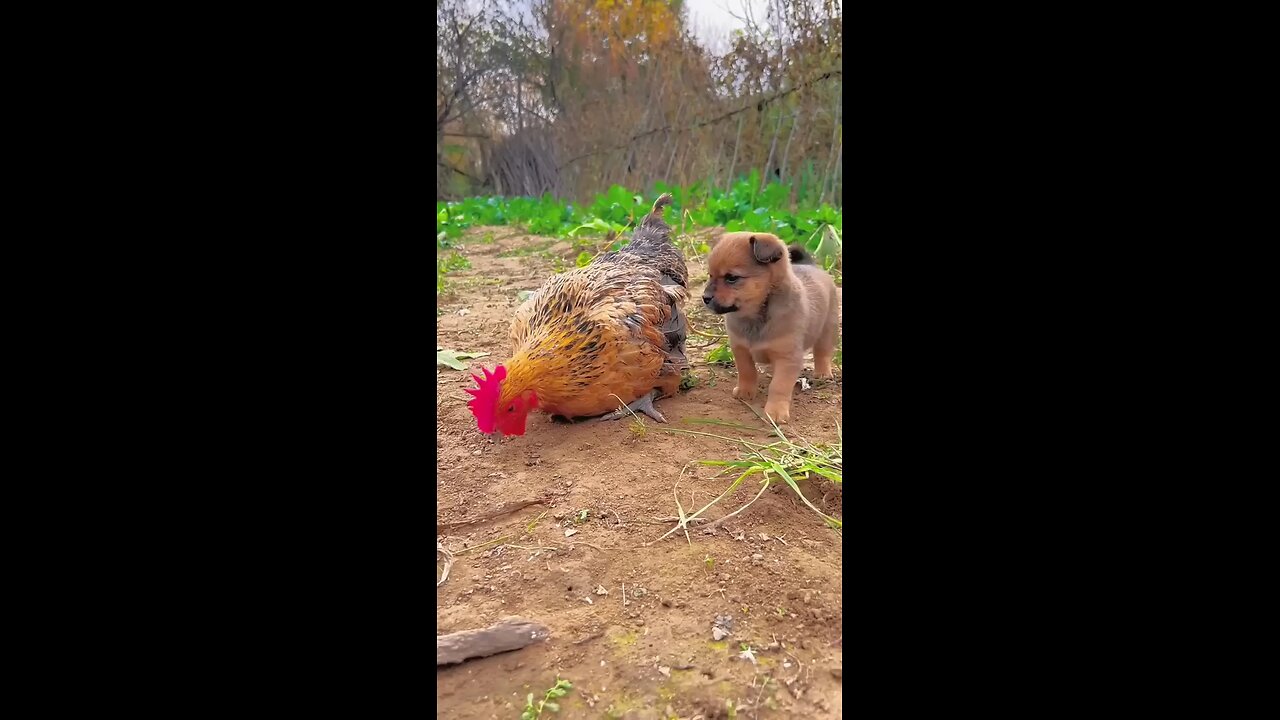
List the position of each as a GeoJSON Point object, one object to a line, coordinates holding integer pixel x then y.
{"type": "Point", "coordinates": [545, 374]}
{"type": "Point", "coordinates": [521, 376]}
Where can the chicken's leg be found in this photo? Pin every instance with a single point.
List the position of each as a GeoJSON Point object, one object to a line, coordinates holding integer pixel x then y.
{"type": "Point", "coordinates": [644, 405]}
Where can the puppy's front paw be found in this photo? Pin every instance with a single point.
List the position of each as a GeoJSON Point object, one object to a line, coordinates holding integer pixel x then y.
{"type": "Point", "coordinates": [780, 412]}
{"type": "Point", "coordinates": [744, 392]}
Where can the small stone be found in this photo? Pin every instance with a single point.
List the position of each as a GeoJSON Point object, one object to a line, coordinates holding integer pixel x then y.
{"type": "Point", "coordinates": [665, 671]}
{"type": "Point", "coordinates": [807, 597]}
{"type": "Point", "coordinates": [601, 591]}
{"type": "Point", "coordinates": [718, 633]}
{"type": "Point", "coordinates": [757, 556]}
{"type": "Point", "coordinates": [475, 452]}
{"type": "Point", "coordinates": [570, 532]}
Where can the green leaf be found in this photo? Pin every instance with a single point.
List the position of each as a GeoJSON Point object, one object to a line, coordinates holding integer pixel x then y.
{"type": "Point", "coordinates": [529, 702]}
{"type": "Point", "coordinates": [553, 707]}
{"type": "Point", "coordinates": [829, 246]}
{"type": "Point", "coordinates": [722, 355]}
{"type": "Point", "coordinates": [524, 295]}
{"type": "Point", "coordinates": [454, 359]}
{"type": "Point", "coordinates": [596, 224]}
{"type": "Point", "coordinates": [584, 259]}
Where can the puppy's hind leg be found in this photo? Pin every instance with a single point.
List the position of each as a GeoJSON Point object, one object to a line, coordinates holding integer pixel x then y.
{"type": "Point", "coordinates": [825, 349]}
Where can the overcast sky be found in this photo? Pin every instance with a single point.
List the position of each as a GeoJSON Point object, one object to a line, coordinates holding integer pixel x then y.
{"type": "Point", "coordinates": [713, 20]}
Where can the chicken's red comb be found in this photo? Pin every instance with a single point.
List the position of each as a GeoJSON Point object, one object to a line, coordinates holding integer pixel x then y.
{"type": "Point", "coordinates": [485, 404]}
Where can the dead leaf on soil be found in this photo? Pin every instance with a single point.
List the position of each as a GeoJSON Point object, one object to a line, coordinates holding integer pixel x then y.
{"type": "Point", "coordinates": [454, 359]}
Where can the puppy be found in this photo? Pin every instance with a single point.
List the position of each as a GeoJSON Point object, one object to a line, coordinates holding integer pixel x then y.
{"type": "Point", "coordinates": [779, 305]}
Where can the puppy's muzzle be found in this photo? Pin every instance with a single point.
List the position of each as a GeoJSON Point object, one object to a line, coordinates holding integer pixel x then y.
{"type": "Point", "coordinates": [717, 308]}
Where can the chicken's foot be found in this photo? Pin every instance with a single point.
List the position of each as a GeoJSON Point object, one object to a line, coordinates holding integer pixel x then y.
{"type": "Point", "coordinates": [644, 405]}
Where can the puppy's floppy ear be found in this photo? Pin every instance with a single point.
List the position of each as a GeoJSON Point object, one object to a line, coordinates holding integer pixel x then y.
{"type": "Point", "coordinates": [766, 250]}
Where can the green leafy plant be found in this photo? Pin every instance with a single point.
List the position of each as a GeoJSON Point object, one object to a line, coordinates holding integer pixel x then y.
{"type": "Point", "coordinates": [446, 264]}
{"type": "Point", "coordinates": [722, 355]}
{"type": "Point", "coordinates": [787, 210]}
{"type": "Point", "coordinates": [532, 712]}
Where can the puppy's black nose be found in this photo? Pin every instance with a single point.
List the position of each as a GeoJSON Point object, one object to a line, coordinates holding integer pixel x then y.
{"type": "Point", "coordinates": [706, 299]}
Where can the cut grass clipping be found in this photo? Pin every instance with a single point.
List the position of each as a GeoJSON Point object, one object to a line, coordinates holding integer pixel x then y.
{"type": "Point", "coordinates": [784, 460]}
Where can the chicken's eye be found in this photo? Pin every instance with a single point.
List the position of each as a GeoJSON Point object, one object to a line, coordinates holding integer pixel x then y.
{"type": "Point", "coordinates": [731, 279]}
{"type": "Point", "coordinates": [512, 408]}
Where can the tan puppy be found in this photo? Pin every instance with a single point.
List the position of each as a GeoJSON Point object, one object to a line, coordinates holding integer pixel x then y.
{"type": "Point", "coordinates": [780, 304]}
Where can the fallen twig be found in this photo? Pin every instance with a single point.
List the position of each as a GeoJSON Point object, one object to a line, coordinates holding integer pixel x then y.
{"type": "Point", "coordinates": [504, 510]}
{"type": "Point", "coordinates": [448, 563]}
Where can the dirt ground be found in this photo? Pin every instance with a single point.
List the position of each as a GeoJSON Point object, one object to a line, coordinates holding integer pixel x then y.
{"type": "Point", "coordinates": [504, 510]}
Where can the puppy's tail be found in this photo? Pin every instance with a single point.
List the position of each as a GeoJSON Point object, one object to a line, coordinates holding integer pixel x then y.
{"type": "Point", "coordinates": [799, 256]}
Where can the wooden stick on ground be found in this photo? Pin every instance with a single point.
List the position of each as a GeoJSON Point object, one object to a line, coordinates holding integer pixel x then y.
{"type": "Point", "coordinates": [510, 633]}
{"type": "Point", "coordinates": [504, 510]}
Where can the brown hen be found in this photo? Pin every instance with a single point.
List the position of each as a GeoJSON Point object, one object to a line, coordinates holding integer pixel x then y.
{"type": "Point", "coordinates": [596, 337]}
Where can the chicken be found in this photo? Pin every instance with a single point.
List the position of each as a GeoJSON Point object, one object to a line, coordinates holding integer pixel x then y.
{"type": "Point", "coordinates": [594, 338]}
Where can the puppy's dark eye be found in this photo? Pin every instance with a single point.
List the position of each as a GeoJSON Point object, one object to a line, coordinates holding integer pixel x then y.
{"type": "Point", "coordinates": [731, 279]}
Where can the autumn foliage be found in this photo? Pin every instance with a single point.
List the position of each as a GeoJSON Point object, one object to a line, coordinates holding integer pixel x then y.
{"type": "Point", "coordinates": [573, 96]}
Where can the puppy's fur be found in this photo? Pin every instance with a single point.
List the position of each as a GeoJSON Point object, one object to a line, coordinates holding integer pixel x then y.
{"type": "Point", "coordinates": [779, 304]}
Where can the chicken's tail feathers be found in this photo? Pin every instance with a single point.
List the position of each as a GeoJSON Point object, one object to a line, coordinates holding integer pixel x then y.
{"type": "Point", "coordinates": [655, 216]}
